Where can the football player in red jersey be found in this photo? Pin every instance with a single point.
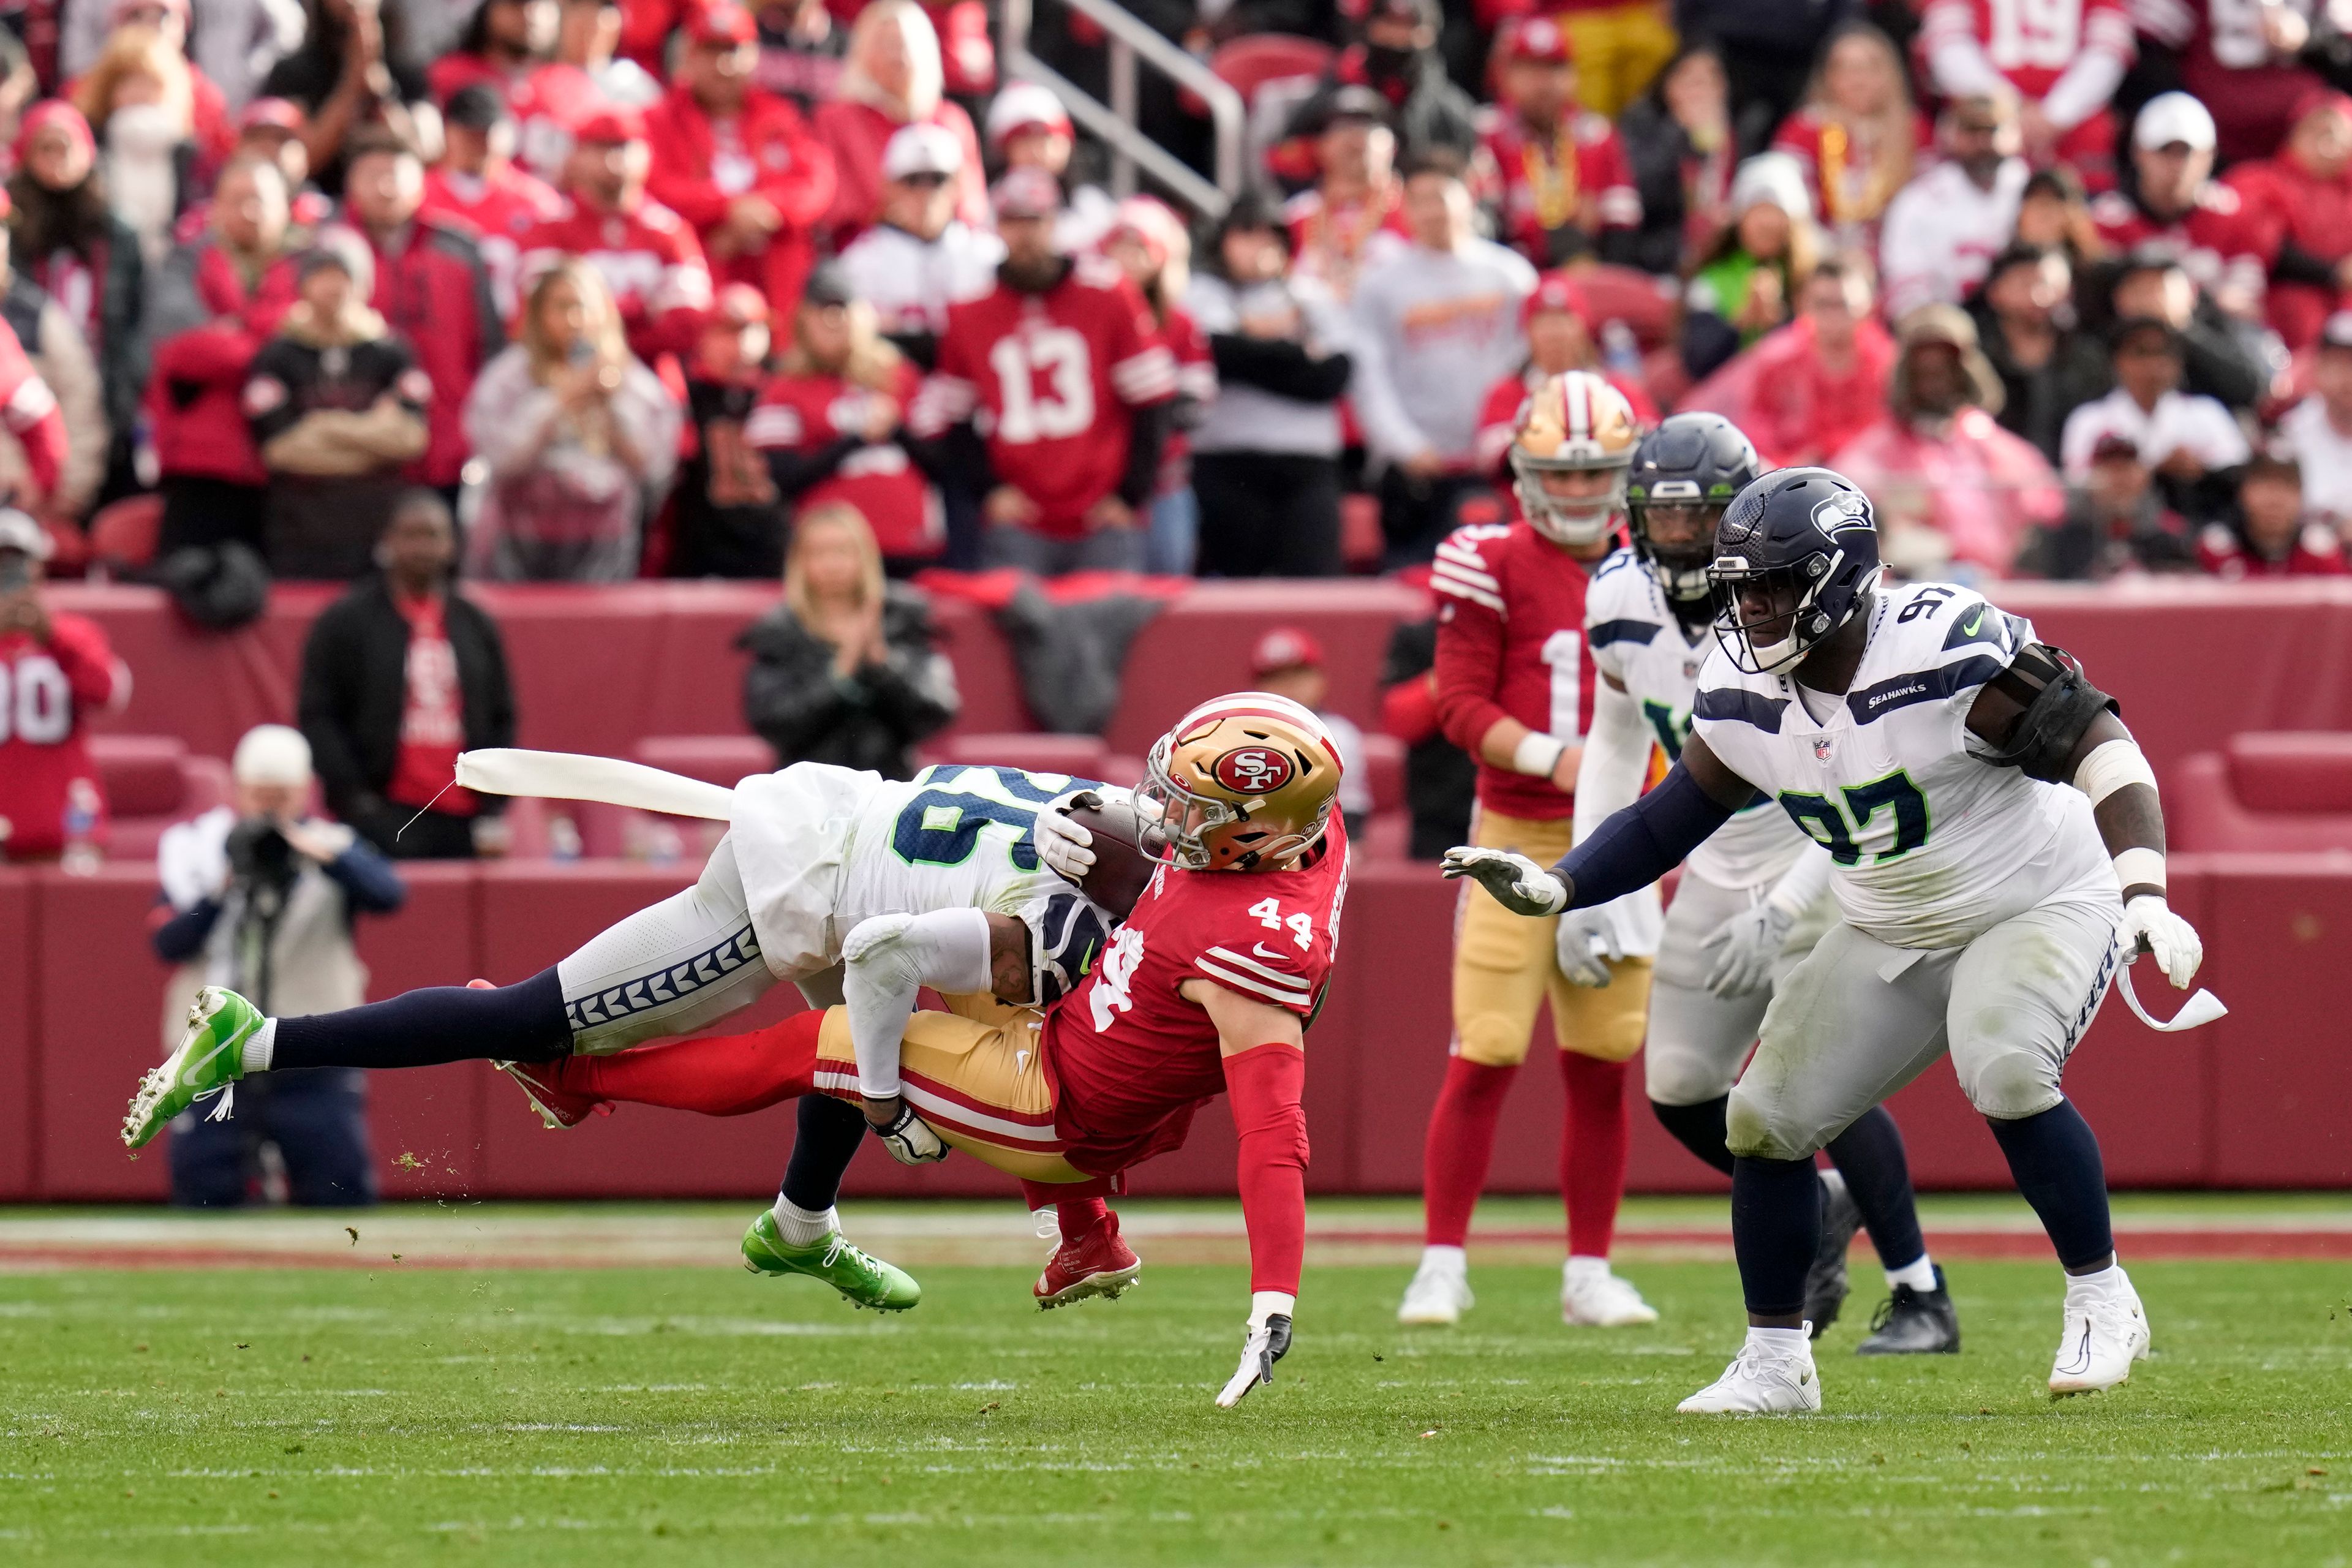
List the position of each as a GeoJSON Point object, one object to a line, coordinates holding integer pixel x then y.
{"type": "Point", "coordinates": [1515, 683]}
{"type": "Point", "coordinates": [1062, 374]}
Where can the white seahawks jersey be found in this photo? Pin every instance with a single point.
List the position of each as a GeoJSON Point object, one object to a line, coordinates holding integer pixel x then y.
{"type": "Point", "coordinates": [953, 837]}
{"type": "Point", "coordinates": [1932, 846]}
{"type": "Point", "coordinates": [1636, 639]}
{"type": "Point", "coordinates": [822, 848]}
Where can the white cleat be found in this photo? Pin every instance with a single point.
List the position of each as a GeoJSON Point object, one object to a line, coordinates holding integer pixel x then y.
{"type": "Point", "coordinates": [1440, 1292]}
{"type": "Point", "coordinates": [1591, 1296]}
{"type": "Point", "coordinates": [1762, 1379]}
{"type": "Point", "coordinates": [2106, 1331]}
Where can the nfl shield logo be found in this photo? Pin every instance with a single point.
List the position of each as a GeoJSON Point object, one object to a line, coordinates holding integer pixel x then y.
{"type": "Point", "coordinates": [1821, 748]}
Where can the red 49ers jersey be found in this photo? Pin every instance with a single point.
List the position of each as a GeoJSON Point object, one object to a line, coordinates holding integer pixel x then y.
{"type": "Point", "coordinates": [2032, 42]}
{"type": "Point", "coordinates": [500, 208]}
{"type": "Point", "coordinates": [1511, 644]}
{"type": "Point", "coordinates": [648, 257]}
{"type": "Point", "coordinates": [1129, 1059]}
{"type": "Point", "coordinates": [46, 692]}
{"type": "Point", "coordinates": [1047, 380]}
{"type": "Point", "coordinates": [809, 413]}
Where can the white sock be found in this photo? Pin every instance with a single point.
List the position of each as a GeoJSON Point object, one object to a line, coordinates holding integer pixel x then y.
{"type": "Point", "coordinates": [804, 1227]}
{"type": "Point", "coordinates": [1447, 1259]}
{"type": "Point", "coordinates": [1585, 1270]}
{"type": "Point", "coordinates": [2108, 1281]}
{"type": "Point", "coordinates": [1833, 1181]}
{"type": "Point", "coordinates": [256, 1051]}
{"type": "Point", "coordinates": [1919, 1274]}
{"type": "Point", "coordinates": [1782, 1342]}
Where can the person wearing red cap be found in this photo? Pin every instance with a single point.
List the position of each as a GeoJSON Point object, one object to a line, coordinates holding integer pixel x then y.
{"type": "Point", "coordinates": [737, 163]}
{"type": "Point", "coordinates": [434, 289]}
{"type": "Point", "coordinates": [2299, 211]}
{"type": "Point", "coordinates": [1560, 174]}
{"type": "Point", "coordinates": [217, 299]}
{"type": "Point", "coordinates": [1557, 325]}
{"type": "Point", "coordinates": [583, 77]}
{"type": "Point", "coordinates": [1062, 373]}
{"type": "Point", "coordinates": [477, 184]}
{"type": "Point", "coordinates": [1027, 127]}
{"type": "Point", "coordinates": [892, 77]}
{"type": "Point", "coordinates": [2116, 524]}
{"type": "Point", "coordinates": [728, 519]}
{"type": "Point", "coordinates": [2063, 65]}
{"type": "Point", "coordinates": [648, 254]}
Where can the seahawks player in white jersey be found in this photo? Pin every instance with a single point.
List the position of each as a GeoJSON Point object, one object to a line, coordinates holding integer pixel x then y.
{"type": "Point", "coordinates": [852, 886]}
{"type": "Point", "coordinates": [1754, 897]}
{"type": "Point", "coordinates": [1998, 845]}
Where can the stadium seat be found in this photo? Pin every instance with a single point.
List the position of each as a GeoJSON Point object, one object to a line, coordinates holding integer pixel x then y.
{"type": "Point", "coordinates": [123, 536]}
{"type": "Point", "coordinates": [1361, 544]}
{"type": "Point", "coordinates": [1384, 768]}
{"type": "Point", "coordinates": [150, 782]}
{"type": "Point", "coordinates": [723, 760]}
{"type": "Point", "coordinates": [1246, 64]}
{"type": "Point", "coordinates": [2276, 792]}
{"type": "Point", "coordinates": [1079, 756]}
{"type": "Point", "coordinates": [1627, 294]}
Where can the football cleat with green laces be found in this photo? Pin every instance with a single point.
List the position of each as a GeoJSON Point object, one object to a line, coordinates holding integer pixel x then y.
{"type": "Point", "coordinates": [209, 1060]}
{"type": "Point", "coordinates": [865, 1279]}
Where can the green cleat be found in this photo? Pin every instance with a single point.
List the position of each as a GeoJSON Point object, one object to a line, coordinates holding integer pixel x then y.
{"type": "Point", "coordinates": [865, 1280]}
{"type": "Point", "coordinates": [209, 1061]}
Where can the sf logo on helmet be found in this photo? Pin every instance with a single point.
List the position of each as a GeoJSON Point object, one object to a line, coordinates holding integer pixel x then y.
{"type": "Point", "coordinates": [1252, 770]}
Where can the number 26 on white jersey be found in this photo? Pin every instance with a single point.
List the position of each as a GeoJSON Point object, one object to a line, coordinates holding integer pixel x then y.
{"type": "Point", "coordinates": [1068, 405]}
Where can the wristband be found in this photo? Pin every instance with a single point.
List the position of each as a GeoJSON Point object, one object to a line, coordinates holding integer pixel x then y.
{"type": "Point", "coordinates": [1536, 754]}
{"type": "Point", "coordinates": [2140, 868]}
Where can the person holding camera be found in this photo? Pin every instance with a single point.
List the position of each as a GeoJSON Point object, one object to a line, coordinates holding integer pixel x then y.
{"type": "Point", "coordinates": [260, 897]}
{"type": "Point", "coordinates": [56, 670]}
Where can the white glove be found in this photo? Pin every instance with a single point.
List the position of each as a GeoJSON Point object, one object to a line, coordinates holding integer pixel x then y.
{"type": "Point", "coordinates": [910, 1140]}
{"type": "Point", "coordinates": [1518, 884]}
{"type": "Point", "coordinates": [2150, 926]}
{"type": "Point", "coordinates": [1265, 1340]}
{"type": "Point", "coordinates": [1067, 848]}
{"type": "Point", "coordinates": [1751, 943]}
{"type": "Point", "coordinates": [1586, 945]}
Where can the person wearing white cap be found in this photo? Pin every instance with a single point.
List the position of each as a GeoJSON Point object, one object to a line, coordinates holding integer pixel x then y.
{"type": "Point", "coordinates": [261, 894]}
{"type": "Point", "coordinates": [919, 258]}
{"type": "Point", "coordinates": [1029, 129]}
{"type": "Point", "coordinates": [56, 670]}
{"type": "Point", "coordinates": [2173, 201]}
{"type": "Point", "coordinates": [1747, 283]}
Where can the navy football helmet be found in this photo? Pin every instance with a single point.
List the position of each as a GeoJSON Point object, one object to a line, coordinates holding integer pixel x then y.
{"type": "Point", "coordinates": [1795, 558]}
{"type": "Point", "coordinates": [1684, 473]}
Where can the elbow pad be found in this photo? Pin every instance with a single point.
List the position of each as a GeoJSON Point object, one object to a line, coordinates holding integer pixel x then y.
{"type": "Point", "coordinates": [2062, 704]}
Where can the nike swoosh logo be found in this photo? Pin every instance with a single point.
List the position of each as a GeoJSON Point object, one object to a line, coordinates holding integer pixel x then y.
{"type": "Point", "coordinates": [1262, 952]}
{"type": "Point", "coordinates": [191, 1076]}
{"type": "Point", "coordinates": [2082, 1362]}
{"type": "Point", "coordinates": [1021, 1061]}
{"type": "Point", "coordinates": [1969, 629]}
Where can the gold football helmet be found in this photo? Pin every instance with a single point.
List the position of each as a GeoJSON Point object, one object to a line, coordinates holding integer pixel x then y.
{"type": "Point", "coordinates": [1574, 423]}
{"type": "Point", "coordinates": [1242, 782]}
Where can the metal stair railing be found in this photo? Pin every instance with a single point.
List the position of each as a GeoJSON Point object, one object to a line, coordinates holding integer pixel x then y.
{"type": "Point", "coordinates": [1130, 41]}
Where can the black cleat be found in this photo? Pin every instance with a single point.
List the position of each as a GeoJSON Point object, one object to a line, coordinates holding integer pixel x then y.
{"type": "Point", "coordinates": [1915, 1322]}
{"type": "Point", "coordinates": [1826, 1287]}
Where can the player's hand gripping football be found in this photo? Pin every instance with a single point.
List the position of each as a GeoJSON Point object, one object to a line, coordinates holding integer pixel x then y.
{"type": "Point", "coordinates": [1263, 1343]}
{"type": "Point", "coordinates": [908, 1137]}
{"type": "Point", "coordinates": [1585, 945]}
{"type": "Point", "coordinates": [1518, 884]}
{"type": "Point", "coordinates": [2151, 926]}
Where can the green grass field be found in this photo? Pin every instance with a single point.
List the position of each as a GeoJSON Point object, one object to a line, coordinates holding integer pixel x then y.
{"type": "Point", "coordinates": [698, 1416]}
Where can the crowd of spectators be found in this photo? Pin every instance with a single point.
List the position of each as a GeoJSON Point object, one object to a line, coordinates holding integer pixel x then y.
{"type": "Point", "coordinates": [412, 292]}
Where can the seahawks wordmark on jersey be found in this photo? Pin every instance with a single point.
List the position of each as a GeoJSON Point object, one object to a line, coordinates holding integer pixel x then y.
{"type": "Point", "coordinates": [1932, 846]}
{"type": "Point", "coordinates": [1637, 639]}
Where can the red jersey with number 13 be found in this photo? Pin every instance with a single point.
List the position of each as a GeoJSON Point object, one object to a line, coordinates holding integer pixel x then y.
{"type": "Point", "coordinates": [1511, 644]}
{"type": "Point", "coordinates": [1130, 1059]}
{"type": "Point", "coordinates": [1047, 380]}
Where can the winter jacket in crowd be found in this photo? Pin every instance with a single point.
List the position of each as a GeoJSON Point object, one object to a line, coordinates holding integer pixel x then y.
{"type": "Point", "coordinates": [871, 719]}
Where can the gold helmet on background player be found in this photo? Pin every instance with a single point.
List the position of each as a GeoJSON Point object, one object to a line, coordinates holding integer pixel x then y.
{"type": "Point", "coordinates": [1575, 423]}
{"type": "Point", "coordinates": [1242, 782]}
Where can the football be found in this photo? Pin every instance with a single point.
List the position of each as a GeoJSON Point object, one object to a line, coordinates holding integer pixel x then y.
{"type": "Point", "coordinates": [1125, 851]}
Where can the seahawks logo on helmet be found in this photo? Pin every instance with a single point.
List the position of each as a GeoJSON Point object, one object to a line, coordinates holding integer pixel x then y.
{"type": "Point", "coordinates": [1841, 512]}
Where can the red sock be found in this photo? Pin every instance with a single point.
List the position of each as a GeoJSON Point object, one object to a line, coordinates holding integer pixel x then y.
{"type": "Point", "coordinates": [1078, 1206]}
{"type": "Point", "coordinates": [725, 1075]}
{"type": "Point", "coordinates": [1460, 1147]}
{"type": "Point", "coordinates": [1592, 1151]}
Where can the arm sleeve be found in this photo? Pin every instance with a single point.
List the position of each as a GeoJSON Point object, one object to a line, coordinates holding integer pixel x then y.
{"type": "Point", "coordinates": [1961, 69]}
{"type": "Point", "coordinates": [1469, 647]}
{"type": "Point", "coordinates": [946, 950]}
{"type": "Point", "coordinates": [1616, 755]}
{"type": "Point", "coordinates": [2086, 87]}
{"type": "Point", "coordinates": [367, 879]}
{"type": "Point", "coordinates": [1643, 842]}
{"type": "Point", "coordinates": [1264, 1087]}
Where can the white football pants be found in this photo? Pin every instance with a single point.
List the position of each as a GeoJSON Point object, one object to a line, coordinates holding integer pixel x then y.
{"type": "Point", "coordinates": [1697, 1039]}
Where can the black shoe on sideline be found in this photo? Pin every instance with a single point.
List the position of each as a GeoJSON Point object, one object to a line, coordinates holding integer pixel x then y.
{"type": "Point", "coordinates": [1826, 1286]}
{"type": "Point", "coordinates": [1915, 1322]}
